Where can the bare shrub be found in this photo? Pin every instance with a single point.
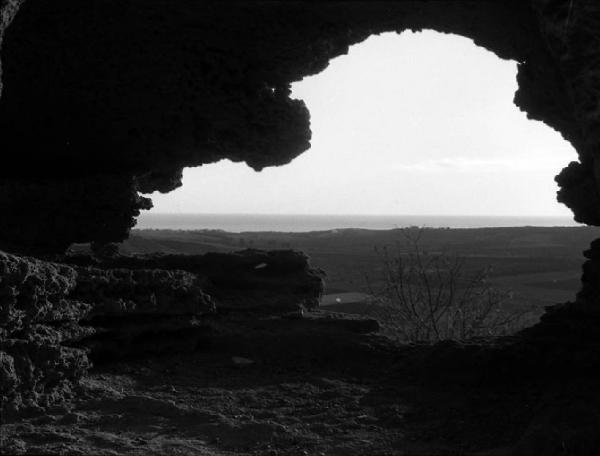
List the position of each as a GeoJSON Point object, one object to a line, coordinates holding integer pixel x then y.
{"type": "Point", "coordinates": [424, 296]}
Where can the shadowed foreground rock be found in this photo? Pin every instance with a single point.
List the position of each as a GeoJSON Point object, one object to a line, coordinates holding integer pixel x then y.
{"type": "Point", "coordinates": [250, 280]}
{"type": "Point", "coordinates": [52, 315]}
{"type": "Point", "coordinates": [37, 322]}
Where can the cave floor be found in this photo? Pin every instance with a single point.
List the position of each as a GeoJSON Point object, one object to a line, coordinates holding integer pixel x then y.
{"type": "Point", "coordinates": [343, 394]}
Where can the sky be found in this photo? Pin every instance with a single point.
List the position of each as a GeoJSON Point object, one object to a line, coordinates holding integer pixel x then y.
{"type": "Point", "coordinates": [410, 124]}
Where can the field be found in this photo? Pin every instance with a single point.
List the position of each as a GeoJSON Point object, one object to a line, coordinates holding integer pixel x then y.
{"type": "Point", "coordinates": [538, 266]}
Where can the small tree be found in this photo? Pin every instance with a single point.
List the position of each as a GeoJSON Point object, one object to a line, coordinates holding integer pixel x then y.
{"type": "Point", "coordinates": [423, 296]}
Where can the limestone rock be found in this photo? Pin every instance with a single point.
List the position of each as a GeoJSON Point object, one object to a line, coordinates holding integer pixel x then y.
{"type": "Point", "coordinates": [128, 292]}
{"type": "Point", "coordinates": [259, 282]}
{"type": "Point", "coordinates": [54, 317]}
{"type": "Point", "coordinates": [141, 311]}
{"type": "Point", "coordinates": [33, 291]}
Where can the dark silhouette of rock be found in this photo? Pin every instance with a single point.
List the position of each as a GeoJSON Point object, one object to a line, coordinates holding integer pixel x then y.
{"type": "Point", "coordinates": [69, 210]}
{"type": "Point", "coordinates": [168, 84]}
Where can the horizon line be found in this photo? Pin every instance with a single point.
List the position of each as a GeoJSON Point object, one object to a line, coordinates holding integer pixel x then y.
{"type": "Point", "coordinates": [360, 215]}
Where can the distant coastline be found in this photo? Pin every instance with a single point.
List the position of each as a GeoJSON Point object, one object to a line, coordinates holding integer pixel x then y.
{"type": "Point", "coordinates": [236, 223]}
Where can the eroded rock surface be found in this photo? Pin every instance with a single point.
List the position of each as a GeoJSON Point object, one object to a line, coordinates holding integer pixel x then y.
{"type": "Point", "coordinates": [54, 316]}
{"type": "Point", "coordinates": [272, 282]}
{"type": "Point", "coordinates": [36, 319]}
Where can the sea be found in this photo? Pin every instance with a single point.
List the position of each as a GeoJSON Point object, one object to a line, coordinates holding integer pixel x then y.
{"type": "Point", "coordinates": [291, 223]}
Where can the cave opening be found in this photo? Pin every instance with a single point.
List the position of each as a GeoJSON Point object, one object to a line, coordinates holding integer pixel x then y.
{"type": "Point", "coordinates": [407, 129]}
{"type": "Point", "coordinates": [404, 124]}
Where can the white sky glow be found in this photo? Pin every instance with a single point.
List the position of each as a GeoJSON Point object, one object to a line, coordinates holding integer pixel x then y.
{"type": "Point", "coordinates": [417, 123]}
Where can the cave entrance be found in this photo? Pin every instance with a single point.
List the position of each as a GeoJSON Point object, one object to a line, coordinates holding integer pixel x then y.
{"type": "Point", "coordinates": [405, 123]}
{"type": "Point", "coordinates": [414, 125]}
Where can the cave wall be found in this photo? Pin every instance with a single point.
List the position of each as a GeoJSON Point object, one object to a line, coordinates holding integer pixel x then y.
{"type": "Point", "coordinates": [105, 98]}
{"type": "Point", "coordinates": [102, 99]}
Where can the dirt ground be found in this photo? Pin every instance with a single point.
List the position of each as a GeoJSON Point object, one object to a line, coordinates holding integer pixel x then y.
{"type": "Point", "coordinates": [309, 388]}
